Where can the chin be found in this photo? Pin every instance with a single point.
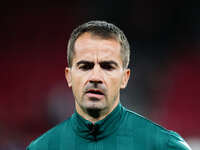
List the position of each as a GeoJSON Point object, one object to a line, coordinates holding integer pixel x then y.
{"type": "Point", "coordinates": [95, 106]}
{"type": "Point", "coordinates": [94, 111]}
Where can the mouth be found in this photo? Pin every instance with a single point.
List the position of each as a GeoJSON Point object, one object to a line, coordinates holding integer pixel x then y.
{"type": "Point", "coordinates": [95, 93]}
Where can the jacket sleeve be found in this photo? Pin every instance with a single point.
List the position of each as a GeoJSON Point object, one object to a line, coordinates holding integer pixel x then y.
{"type": "Point", "coordinates": [39, 144]}
{"type": "Point", "coordinates": [28, 148]}
{"type": "Point", "coordinates": [176, 142]}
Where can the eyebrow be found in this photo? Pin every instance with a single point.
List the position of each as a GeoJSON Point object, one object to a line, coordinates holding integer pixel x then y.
{"type": "Point", "coordinates": [91, 62]}
{"type": "Point", "coordinates": [109, 62]}
{"type": "Point", "coordinates": [84, 62]}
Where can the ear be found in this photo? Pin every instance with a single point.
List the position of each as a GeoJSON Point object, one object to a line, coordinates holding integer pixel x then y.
{"type": "Point", "coordinates": [68, 76]}
{"type": "Point", "coordinates": [125, 78]}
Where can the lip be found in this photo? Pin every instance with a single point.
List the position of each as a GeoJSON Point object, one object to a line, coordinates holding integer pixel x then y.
{"type": "Point", "coordinates": [95, 90]}
{"type": "Point", "coordinates": [93, 93]}
{"type": "Point", "coordinates": [96, 96]}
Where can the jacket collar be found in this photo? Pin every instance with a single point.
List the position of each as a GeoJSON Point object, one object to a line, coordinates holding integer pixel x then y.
{"type": "Point", "coordinates": [100, 129]}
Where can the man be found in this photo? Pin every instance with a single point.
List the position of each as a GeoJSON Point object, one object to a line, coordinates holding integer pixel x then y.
{"type": "Point", "coordinates": [98, 58]}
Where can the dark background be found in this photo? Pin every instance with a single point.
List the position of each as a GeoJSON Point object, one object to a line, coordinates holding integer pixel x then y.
{"type": "Point", "coordinates": [164, 85]}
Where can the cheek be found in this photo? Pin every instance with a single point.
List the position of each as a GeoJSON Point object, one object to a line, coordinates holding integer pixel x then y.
{"type": "Point", "coordinates": [78, 80]}
{"type": "Point", "coordinates": [115, 83]}
{"type": "Point", "coordinates": [77, 86]}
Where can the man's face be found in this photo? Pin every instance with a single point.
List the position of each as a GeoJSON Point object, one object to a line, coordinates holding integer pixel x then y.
{"type": "Point", "coordinates": [97, 73]}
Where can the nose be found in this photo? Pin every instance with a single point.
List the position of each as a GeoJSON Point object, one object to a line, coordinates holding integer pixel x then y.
{"type": "Point", "coordinates": [96, 75]}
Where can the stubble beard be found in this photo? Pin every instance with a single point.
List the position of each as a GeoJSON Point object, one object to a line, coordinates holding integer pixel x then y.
{"type": "Point", "coordinates": [93, 107]}
{"type": "Point", "coordinates": [94, 110]}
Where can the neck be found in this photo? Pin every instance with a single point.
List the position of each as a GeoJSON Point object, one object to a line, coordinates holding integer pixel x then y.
{"type": "Point", "coordinates": [94, 115]}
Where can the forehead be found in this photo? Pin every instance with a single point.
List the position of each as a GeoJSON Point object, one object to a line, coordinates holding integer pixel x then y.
{"type": "Point", "coordinates": [89, 46]}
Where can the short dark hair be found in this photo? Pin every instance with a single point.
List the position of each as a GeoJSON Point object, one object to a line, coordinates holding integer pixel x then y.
{"type": "Point", "coordinates": [102, 29]}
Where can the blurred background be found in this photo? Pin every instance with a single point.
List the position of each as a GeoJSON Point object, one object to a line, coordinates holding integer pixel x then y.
{"type": "Point", "coordinates": [34, 95]}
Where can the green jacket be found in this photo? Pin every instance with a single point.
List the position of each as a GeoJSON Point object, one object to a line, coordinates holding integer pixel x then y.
{"type": "Point", "coordinates": [120, 130]}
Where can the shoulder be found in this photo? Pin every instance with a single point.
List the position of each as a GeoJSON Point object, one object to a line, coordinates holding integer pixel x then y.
{"type": "Point", "coordinates": [42, 142]}
{"type": "Point", "coordinates": [137, 121]}
{"type": "Point", "coordinates": [162, 138]}
{"type": "Point", "coordinates": [176, 142]}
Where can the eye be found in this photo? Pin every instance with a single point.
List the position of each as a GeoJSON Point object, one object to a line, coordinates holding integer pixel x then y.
{"type": "Point", "coordinates": [86, 66]}
{"type": "Point", "coordinates": [107, 66]}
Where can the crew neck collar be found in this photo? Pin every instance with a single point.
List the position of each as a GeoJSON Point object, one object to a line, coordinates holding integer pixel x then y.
{"type": "Point", "coordinates": [101, 128]}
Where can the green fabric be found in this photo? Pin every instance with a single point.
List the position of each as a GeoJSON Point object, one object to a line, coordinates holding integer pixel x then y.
{"type": "Point", "coordinates": [120, 130]}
